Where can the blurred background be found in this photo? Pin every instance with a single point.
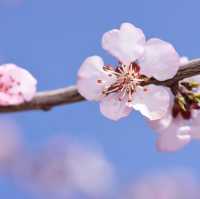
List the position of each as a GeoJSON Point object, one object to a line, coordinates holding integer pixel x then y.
{"type": "Point", "coordinates": [73, 151]}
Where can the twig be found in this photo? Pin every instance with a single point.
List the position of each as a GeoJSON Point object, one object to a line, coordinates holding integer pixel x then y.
{"type": "Point", "coordinates": [48, 99]}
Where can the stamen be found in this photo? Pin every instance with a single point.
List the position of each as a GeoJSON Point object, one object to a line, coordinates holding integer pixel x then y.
{"type": "Point", "coordinates": [119, 69]}
{"type": "Point", "coordinates": [127, 79]}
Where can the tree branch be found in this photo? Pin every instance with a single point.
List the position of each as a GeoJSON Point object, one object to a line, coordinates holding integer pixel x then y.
{"type": "Point", "coordinates": [192, 68]}
{"type": "Point", "coordinates": [48, 99]}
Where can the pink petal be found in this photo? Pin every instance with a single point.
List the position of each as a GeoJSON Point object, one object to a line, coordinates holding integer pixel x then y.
{"type": "Point", "coordinates": [17, 85]}
{"type": "Point", "coordinates": [160, 60]}
{"type": "Point", "coordinates": [175, 133]}
{"type": "Point", "coordinates": [174, 138]}
{"type": "Point", "coordinates": [126, 44]}
{"type": "Point", "coordinates": [152, 101]}
{"type": "Point", "coordinates": [27, 82]}
{"type": "Point", "coordinates": [6, 100]}
{"type": "Point", "coordinates": [163, 123]}
{"type": "Point", "coordinates": [90, 72]}
{"type": "Point", "coordinates": [114, 109]}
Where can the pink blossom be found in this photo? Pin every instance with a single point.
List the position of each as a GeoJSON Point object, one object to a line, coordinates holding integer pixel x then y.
{"type": "Point", "coordinates": [120, 89]}
{"type": "Point", "coordinates": [181, 123]}
{"type": "Point", "coordinates": [17, 85]}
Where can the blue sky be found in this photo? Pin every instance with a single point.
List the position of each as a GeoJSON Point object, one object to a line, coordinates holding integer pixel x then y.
{"type": "Point", "coordinates": [52, 38]}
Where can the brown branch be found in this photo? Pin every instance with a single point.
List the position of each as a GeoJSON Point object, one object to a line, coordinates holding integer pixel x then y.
{"type": "Point", "coordinates": [49, 99]}
{"type": "Point", "coordinates": [190, 69]}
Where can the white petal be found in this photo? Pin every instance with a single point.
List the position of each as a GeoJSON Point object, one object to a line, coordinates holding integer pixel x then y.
{"type": "Point", "coordinates": [114, 109]}
{"type": "Point", "coordinates": [88, 75]}
{"type": "Point", "coordinates": [153, 102]}
{"type": "Point", "coordinates": [126, 44]}
{"type": "Point", "coordinates": [160, 60]}
{"type": "Point", "coordinates": [92, 66]}
{"type": "Point", "coordinates": [163, 123]}
{"type": "Point", "coordinates": [174, 133]}
{"type": "Point", "coordinates": [174, 138]}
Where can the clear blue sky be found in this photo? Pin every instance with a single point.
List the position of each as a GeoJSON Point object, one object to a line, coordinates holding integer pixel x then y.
{"type": "Point", "coordinates": [52, 37]}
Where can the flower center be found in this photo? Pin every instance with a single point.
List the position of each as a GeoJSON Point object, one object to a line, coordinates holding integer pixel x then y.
{"type": "Point", "coordinates": [127, 80]}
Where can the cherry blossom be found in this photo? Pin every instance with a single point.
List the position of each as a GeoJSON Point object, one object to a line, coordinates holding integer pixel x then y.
{"type": "Point", "coordinates": [121, 89]}
{"type": "Point", "coordinates": [181, 123]}
{"type": "Point", "coordinates": [17, 85]}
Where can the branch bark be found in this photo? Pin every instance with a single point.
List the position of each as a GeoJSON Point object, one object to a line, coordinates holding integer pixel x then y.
{"type": "Point", "coordinates": [46, 100]}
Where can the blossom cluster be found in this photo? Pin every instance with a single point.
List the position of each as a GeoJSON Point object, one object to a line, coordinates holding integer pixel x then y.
{"type": "Point", "coordinates": [124, 87]}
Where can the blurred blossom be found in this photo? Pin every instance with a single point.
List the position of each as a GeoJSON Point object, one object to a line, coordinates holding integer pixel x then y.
{"type": "Point", "coordinates": [63, 168]}
{"type": "Point", "coordinates": [10, 145]}
{"type": "Point", "coordinates": [170, 185]}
